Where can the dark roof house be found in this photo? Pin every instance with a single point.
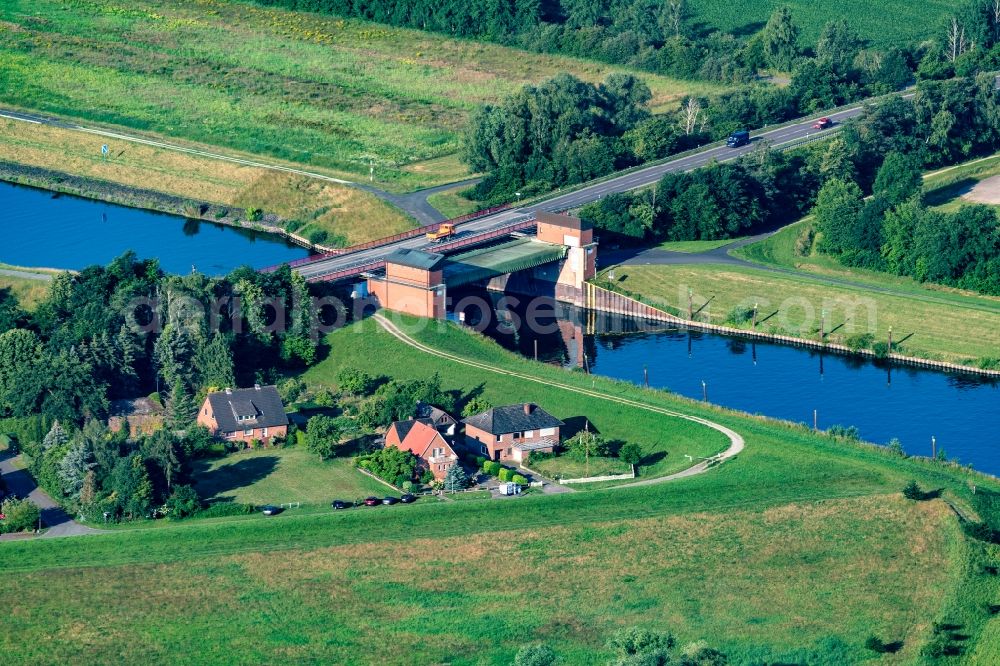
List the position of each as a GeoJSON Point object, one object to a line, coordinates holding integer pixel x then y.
{"type": "Point", "coordinates": [437, 417]}
{"type": "Point", "coordinates": [240, 409]}
{"type": "Point", "coordinates": [513, 418]}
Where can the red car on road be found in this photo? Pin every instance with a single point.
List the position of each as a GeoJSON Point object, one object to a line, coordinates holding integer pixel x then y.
{"type": "Point", "coordinates": [822, 123]}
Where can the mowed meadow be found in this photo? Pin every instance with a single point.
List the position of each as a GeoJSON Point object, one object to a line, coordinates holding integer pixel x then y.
{"type": "Point", "coordinates": [744, 580]}
{"type": "Point", "coordinates": [337, 94]}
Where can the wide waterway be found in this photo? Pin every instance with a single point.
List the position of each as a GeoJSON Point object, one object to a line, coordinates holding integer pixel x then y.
{"type": "Point", "coordinates": [883, 401]}
{"type": "Point", "coordinates": [61, 231]}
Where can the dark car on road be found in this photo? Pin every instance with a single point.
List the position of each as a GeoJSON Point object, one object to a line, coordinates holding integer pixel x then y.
{"type": "Point", "coordinates": [408, 498]}
{"type": "Point", "coordinates": [340, 504]}
{"type": "Point", "coordinates": [270, 510]}
{"type": "Point", "coordinates": [372, 501]}
{"type": "Point", "coordinates": [738, 138]}
{"type": "Point", "coordinates": [390, 500]}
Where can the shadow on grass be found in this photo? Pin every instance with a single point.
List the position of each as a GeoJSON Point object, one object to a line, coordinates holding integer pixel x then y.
{"type": "Point", "coordinates": [211, 484]}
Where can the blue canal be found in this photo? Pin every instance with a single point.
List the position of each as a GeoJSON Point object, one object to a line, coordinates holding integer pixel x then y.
{"type": "Point", "coordinates": [883, 401]}
{"type": "Point", "coordinates": [61, 231]}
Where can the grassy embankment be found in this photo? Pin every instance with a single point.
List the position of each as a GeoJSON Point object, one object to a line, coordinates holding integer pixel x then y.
{"type": "Point", "coordinates": [29, 290]}
{"type": "Point", "coordinates": [319, 90]}
{"type": "Point", "coordinates": [929, 323]}
{"type": "Point", "coordinates": [796, 551]}
{"type": "Point", "coordinates": [304, 205]}
{"type": "Point", "coordinates": [452, 204]}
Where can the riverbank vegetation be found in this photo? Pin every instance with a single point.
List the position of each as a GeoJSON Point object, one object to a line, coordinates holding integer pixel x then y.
{"type": "Point", "coordinates": [335, 93]}
{"type": "Point", "coordinates": [803, 541]}
{"type": "Point", "coordinates": [320, 211]}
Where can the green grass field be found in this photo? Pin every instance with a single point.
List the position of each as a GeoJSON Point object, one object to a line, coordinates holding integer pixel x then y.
{"type": "Point", "coordinates": [933, 324]}
{"type": "Point", "coordinates": [695, 246]}
{"type": "Point", "coordinates": [878, 22]}
{"type": "Point", "coordinates": [794, 552]}
{"type": "Point", "coordinates": [451, 204]}
{"type": "Point", "coordinates": [280, 476]}
{"type": "Point", "coordinates": [313, 89]}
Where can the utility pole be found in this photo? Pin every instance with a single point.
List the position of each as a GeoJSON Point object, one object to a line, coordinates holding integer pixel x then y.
{"type": "Point", "coordinates": [815, 419]}
{"type": "Point", "coordinates": [704, 390]}
{"type": "Point", "coordinates": [890, 340]}
{"type": "Point", "coordinates": [690, 304]}
{"type": "Point", "coordinates": [755, 316]}
{"type": "Point", "coordinates": [645, 376]}
{"type": "Point", "coordinates": [933, 447]}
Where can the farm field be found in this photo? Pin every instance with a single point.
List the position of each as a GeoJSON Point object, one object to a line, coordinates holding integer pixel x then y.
{"type": "Point", "coordinates": [337, 94]}
{"type": "Point", "coordinates": [305, 205]}
{"type": "Point", "coordinates": [796, 551]}
{"type": "Point", "coordinates": [280, 476]}
{"type": "Point", "coordinates": [880, 22]}
{"type": "Point", "coordinates": [945, 326]}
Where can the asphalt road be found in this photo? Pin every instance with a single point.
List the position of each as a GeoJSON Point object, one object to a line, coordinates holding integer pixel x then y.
{"type": "Point", "coordinates": [799, 131]}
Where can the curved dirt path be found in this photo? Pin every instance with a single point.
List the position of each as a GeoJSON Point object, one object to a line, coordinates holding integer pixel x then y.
{"type": "Point", "coordinates": [736, 442]}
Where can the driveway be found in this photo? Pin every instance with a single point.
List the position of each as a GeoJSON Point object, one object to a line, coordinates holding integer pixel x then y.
{"type": "Point", "coordinates": [22, 484]}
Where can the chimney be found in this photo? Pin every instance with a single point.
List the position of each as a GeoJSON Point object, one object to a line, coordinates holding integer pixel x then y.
{"type": "Point", "coordinates": [257, 386]}
{"type": "Point", "coordinates": [229, 391]}
{"type": "Point", "coordinates": [528, 408]}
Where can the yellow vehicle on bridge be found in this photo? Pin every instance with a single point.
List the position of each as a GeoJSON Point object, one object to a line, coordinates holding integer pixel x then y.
{"type": "Point", "coordinates": [443, 231]}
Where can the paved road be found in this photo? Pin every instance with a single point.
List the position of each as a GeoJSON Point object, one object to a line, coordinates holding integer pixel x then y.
{"type": "Point", "coordinates": [797, 132]}
{"type": "Point", "coordinates": [20, 482]}
{"type": "Point", "coordinates": [415, 203]}
{"type": "Point", "coordinates": [27, 275]}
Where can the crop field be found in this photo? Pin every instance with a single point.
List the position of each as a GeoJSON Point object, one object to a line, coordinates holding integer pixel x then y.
{"type": "Point", "coordinates": [945, 326]}
{"type": "Point", "coordinates": [304, 204]}
{"type": "Point", "coordinates": [337, 94]}
{"type": "Point", "coordinates": [883, 23]}
{"type": "Point", "coordinates": [795, 552]}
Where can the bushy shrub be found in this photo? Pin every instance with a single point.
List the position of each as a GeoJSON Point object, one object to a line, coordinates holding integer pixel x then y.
{"type": "Point", "coordinates": [355, 382]}
{"type": "Point", "coordinates": [912, 491]}
{"type": "Point", "coordinates": [318, 236]}
{"type": "Point", "coordinates": [20, 515]}
{"type": "Point", "coordinates": [479, 462]}
{"type": "Point", "coordinates": [183, 502]}
{"type": "Point", "coordinates": [875, 644]}
{"type": "Point", "coordinates": [739, 315]}
{"type": "Point", "coordinates": [519, 480]}
{"type": "Point", "coordinates": [491, 467]}
{"type": "Point", "coordinates": [845, 432]}
{"type": "Point", "coordinates": [504, 474]}
{"type": "Point", "coordinates": [254, 214]}
{"type": "Point", "coordinates": [156, 399]}
{"type": "Point", "coordinates": [221, 509]}
{"type": "Point", "coordinates": [881, 349]}
{"type": "Point", "coordinates": [859, 342]}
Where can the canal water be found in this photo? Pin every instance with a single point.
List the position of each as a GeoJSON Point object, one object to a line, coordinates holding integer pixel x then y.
{"type": "Point", "coordinates": [882, 401]}
{"type": "Point", "coordinates": [61, 231]}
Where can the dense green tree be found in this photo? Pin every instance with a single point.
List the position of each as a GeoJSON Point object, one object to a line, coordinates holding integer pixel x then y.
{"type": "Point", "coordinates": [456, 478]}
{"type": "Point", "coordinates": [391, 464]}
{"type": "Point", "coordinates": [214, 362]}
{"type": "Point", "coordinates": [838, 215]}
{"type": "Point", "coordinates": [73, 468]}
{"type": "Point", "coordinates": [780, 39]}
{"type": "Point", "coordinates": [839, 44]}
{"type": "Point", "coordinates": [899, 178]}
{"type": "Point", "coordinates": [323, 435]}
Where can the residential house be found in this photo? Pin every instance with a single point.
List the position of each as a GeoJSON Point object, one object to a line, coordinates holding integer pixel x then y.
{"type": "Point", "coordinates": [245, 414]}
{"type": "Point", "coordinates": [440, 419]}
{"type": "Point", "coordinates": [512, 432]}
{"type": "Point", "coordinates": [422, 439]}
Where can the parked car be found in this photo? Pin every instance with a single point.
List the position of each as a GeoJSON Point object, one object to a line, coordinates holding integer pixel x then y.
{"type": "Point", "coordinates": [340, 504]}
{"type": "Point", "coordinates": [372, 501]}
{"type": "Point", "coordinates": [738, 138]}
{"type": "Point", "coordinates": [822, 123]}
{"type": "Point", "coordinates": [390, 500]}
{"type": "Point", "coordinates": [270, 510]}
{"type": "Point", "coordinates": [408, 498]}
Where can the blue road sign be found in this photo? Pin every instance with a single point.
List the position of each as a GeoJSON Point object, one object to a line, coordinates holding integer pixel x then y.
{"type": "Point", "coordinates": [104, 150]}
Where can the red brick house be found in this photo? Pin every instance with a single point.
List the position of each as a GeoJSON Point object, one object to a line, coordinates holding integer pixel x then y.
{"type": "Point", "coordinates": [245, 414]}
{"type": "Point", "coordinates": [512, 432]}
{"type": "Point", "coordinates": [422, 439]}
